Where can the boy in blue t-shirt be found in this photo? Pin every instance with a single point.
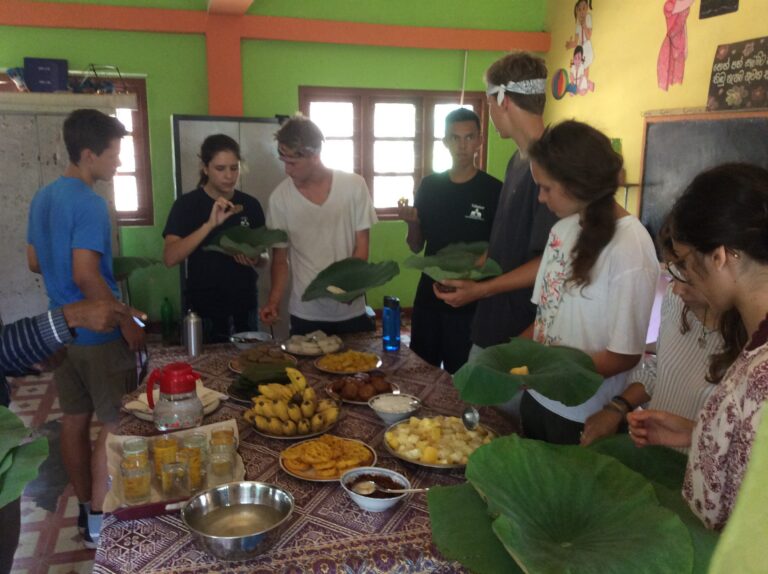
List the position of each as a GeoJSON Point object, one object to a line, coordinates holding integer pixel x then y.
{"type": "Point", "coordinates": [69, 243]}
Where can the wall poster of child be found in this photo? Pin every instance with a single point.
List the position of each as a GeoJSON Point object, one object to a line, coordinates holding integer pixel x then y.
{"type": "Point", "coordinates": [583, 53]}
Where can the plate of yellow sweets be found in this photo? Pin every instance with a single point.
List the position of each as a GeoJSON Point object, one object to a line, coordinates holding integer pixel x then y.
{"type": "Point", "coordinates": [326, 458]}
{"type": "Point", "coordinates": [348, 362]}
{"type": "Point", "coordinates": [438, 442]}
{"type": "Point", "coordinates": [291, 411]}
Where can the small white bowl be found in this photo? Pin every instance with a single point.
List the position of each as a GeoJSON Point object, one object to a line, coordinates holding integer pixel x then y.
{"type": "Point", "coordinates": [369, 503]}
{"type": "Point", "coordinates": [385, 405]}
{"type": "Point", "coordinates": [249, 339]}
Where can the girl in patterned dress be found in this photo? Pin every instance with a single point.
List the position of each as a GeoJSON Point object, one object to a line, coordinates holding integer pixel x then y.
{"type": "Point", "coordinates": [720, 235]}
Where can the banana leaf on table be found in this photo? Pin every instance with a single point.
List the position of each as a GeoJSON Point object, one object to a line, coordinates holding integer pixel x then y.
{"type": "Point", "coordinates": [456, 261]}
{"type": "Point", "coordinates": [349, 278]}
{"type": "Point", "coordinates": [559, 373]}
{"type": "Point", "coordinates": [238, 240]}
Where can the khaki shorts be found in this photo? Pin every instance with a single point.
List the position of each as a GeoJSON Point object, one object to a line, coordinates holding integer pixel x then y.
{"type": "Point", "coordinates": [94, 378]}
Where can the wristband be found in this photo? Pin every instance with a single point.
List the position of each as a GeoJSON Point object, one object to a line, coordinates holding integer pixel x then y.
{"type": "Point", "coordinates": [617, 407]}
{"type": "Point", "coordinates": [621, 400]}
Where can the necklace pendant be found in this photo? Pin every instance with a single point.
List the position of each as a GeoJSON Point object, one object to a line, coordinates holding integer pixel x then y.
{"type": "Point", "coordinates": [702, 340]}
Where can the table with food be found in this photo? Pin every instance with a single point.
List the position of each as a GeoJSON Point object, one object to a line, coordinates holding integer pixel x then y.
{"type": "Point", "coordinates": [291, 467]}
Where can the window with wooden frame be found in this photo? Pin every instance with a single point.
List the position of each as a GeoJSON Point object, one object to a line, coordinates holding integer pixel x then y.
{"type": "Point", "coordinates": [393, 138]}
{"type": "Point", "coordinates": [133, 181]}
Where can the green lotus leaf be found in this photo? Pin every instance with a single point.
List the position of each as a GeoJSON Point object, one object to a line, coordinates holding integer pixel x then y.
{"type": "Point", "coordinates": [122, 267]}
{"type": "Point", "coordinates": [239, 240]}
{"type": "Point", "coordinates": [456, 261]}
{"type": "Point", "coordinates": [559, 373]}
{"type": "Point", "coordinates": [27, 458]}
{"type": "Point", "coordinates": [665, 469]}
{"type": "Point", "coordinates": [747, 528]}
{"type": "Point", "coordinates": [462, 530]}
{"type": "Point", "coordinates": [12, 431]}
{"type": "Point", "coordinates": [656, 463]}
{"type": "Point", "coordinates": [349, 278]}
{"type": "Point", "coordinates": [570, 509]}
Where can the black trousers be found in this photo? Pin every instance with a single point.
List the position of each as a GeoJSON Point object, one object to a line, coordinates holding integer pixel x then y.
{"type": "Point", "coordinates": [441, 338]}
{"type": "Point", "coordinates": [540, 423]}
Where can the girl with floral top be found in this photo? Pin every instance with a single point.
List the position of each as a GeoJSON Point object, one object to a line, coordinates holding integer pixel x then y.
{"type": "Point", "coordinates": [597, 279]}
{"type": "Point", "coordinates": [720, 235]}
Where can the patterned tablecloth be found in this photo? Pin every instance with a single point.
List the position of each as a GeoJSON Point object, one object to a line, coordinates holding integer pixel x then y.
{"type": "Point", "coordinates": [327, 532]}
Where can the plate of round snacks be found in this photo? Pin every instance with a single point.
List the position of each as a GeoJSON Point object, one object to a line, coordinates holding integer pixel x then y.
{"type": "Point", "coordinates": [326, 458]}
{"type": "Point", "coordinates": [438, 442]}
{"type": "Point", "coordinates": [348, 362]}
{"type": "Point", "coordinates": [357, 389]}
{"type": "Point", "coordinates": [259, 355]}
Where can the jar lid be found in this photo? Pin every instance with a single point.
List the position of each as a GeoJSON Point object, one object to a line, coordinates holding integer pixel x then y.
{"type": "Point", "coordinates": [136, 445]}
{"type": "Point", "coordinates": [178, 378]}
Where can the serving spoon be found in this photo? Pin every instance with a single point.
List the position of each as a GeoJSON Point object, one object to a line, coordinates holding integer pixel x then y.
{"type": "Point", "coordinates": [366, 487]}
{"type": "Point", "coordinates": [471, 418]}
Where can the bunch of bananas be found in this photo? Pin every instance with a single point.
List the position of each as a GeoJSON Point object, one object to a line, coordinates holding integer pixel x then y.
{"type": "Point", "coordinates": [291, 410]}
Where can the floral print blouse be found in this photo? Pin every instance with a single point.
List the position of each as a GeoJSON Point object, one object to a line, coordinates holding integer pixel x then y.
{"type": "Point", "coordinates": [724, 433]}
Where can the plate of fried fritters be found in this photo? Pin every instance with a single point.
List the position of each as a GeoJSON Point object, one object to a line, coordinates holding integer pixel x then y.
{"type": "Point", "coordinates": [326, 458]}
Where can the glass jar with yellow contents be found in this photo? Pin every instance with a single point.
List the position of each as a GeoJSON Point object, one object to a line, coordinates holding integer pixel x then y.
{"type": "Point", "coordinates": [164, 452]}
{"type": "Point", "coordinates": [135, 471]}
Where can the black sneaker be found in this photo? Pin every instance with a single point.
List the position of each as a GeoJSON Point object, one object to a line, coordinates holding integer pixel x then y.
{"type": "Point", "coordinates": [89, 541]}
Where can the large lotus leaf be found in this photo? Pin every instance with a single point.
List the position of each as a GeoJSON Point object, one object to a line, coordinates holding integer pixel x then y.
{"type": "Point", "coordinates": [353, 276]}
{"type": "Point", "coordinates": [239, 240]}
{"type": "Point", "coordinates": [559, 373]}
{"type": "Point", "coordinates": [122, 267]}
{"type": "Point", "coordinates": [656, 463]}
{"type": "Point", "coordinates": [12, 431]}
{"type": "Point", "coordinates": [462, 530]}
{"type": "Point", "coordinates": [27, 458]}
{"type": "Point", "coordinates": [569, 509]}
{"type": "Point", "coordinates": [665, 468]}
{"type": "Point", "coordinates": [747, 528]}
{"type": "Point", "coordinates": [456, 261]}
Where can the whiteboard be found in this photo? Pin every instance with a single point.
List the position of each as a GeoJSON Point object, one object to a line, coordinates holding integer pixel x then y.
{"type": "Point", "coordinates": [261, 170]}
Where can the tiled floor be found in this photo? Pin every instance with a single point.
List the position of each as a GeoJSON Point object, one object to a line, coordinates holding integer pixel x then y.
{"type": "Point", "coordinates": [49, 539]}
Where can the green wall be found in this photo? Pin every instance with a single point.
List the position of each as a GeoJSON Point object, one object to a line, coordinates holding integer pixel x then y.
{"type": "Point", "coordinates": [175, 66]}
{"type": "Point", "coordinates": [288, 67]}
{"type": "Point", "coordinates": [176, 84]}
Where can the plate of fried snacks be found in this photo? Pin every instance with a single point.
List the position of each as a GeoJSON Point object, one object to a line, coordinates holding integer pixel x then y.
{"type": "Point", "coordinates": [435, 442]}
{"type": "Point", "coordinates": [358, 388]}
{"type": "Point", "coordinates": [260, 355]}
{"type": "Point", "coordinates": [291, 411]}
{"type": "Point", "coordinates": [348, 362]}
{"type": "Point", "coordinates": [312, 344]}
{"type": "Point", "coordinates": [326, 458]}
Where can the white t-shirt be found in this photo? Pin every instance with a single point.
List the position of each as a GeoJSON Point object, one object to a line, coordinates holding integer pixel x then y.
{"type": "Point", "coordinates": [611, 313]}
{"type": "Point", "coordinates": [319, 235]}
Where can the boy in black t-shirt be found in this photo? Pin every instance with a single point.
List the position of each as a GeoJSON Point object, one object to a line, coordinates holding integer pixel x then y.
{"type": "Point", "coordinates": [454, 206]}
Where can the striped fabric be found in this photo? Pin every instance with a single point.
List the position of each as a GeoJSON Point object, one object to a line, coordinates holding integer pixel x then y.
{"type": "Point", "coordinates": [676, 377]}
{"type": "Point", "coordinates": [30, 340]}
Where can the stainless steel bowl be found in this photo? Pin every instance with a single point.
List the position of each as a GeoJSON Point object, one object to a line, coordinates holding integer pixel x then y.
{"type": "Point", "coordinates": [238, 520]}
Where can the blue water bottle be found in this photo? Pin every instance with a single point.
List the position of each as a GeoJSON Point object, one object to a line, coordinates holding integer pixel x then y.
{"type": "Point", "coordinates": [391, 324]}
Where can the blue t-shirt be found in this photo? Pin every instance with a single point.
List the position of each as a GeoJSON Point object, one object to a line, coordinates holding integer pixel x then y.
{"type": "Point", "coordinates": [67, 215]}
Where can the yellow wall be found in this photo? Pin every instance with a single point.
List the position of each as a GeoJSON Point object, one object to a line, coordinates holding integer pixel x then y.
{"type": "Point", "coordinates": [626, 37]}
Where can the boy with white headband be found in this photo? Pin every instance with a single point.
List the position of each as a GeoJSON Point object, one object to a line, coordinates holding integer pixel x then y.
{"type": "Point", "coordinates": [327, 215]}
{"type": "Point", "coordinates": [516, 96]}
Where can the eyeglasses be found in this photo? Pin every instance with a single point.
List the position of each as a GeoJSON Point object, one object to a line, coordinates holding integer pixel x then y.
{"type": "Point", "coordinates": [677, 272]}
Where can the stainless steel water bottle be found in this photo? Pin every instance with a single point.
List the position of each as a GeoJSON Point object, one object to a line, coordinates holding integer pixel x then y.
{"type": "Point", "coordinates": [193, 333]}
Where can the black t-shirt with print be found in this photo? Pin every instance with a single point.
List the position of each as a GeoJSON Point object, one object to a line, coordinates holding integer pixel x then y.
{"type": "Point", "coordinates": [211, 270]}
{"type": "Point", "coordinates": [449, 213]}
